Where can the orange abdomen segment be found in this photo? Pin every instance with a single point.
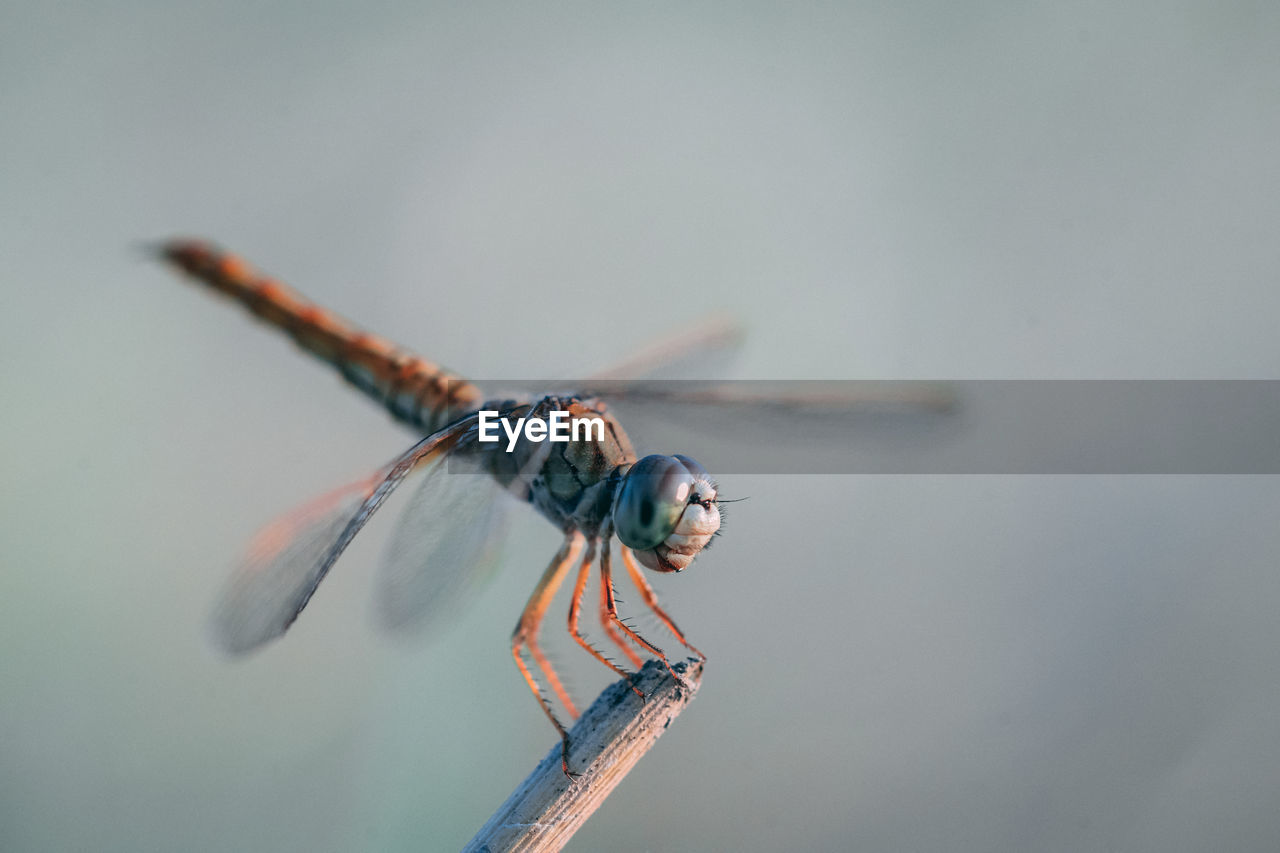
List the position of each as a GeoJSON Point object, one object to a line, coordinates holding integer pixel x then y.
{"type": "Point", "coordinates": [414, 390]}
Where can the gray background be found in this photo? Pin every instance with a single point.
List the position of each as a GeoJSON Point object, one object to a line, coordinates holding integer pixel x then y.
{"type": "Point", "coordinates": [1053, 190]}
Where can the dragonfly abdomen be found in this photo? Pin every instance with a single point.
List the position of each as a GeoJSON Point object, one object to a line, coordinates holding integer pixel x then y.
{"type": "Point", "coordinates": [413, 389]}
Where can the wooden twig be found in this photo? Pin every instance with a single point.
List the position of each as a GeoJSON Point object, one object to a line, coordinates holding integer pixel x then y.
{"type": "Point", "coordinates": [544, 812]}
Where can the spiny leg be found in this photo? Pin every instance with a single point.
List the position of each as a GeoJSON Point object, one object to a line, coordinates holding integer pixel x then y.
{"type": "Point", "coordinates": [544, 665]}
{"type": "Point", "coordinates": [526, 634]}
{"type": "Point", "coordinates": [575, 608]}
{"type": "Point", "coordinates": [606, 622]}
{"type": "Point", "coordinates": [651, 598]}
{"type": "Point", "coordinates": [531, 639]}
{"type": "Point", "coordinates": [606, 579]}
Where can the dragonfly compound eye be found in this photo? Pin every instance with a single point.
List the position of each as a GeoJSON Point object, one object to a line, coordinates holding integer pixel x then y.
{"type": "Point", "coordinates": [665, 511]}
{"type": "Point", "coordinates": [650, 501]}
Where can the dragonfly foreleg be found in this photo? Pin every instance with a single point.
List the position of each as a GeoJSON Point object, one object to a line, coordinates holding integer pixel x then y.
{"type": "Point", "coordinates": [651, 599]}
{"type": "Point", "coordinates": [526, 636]}
{"type": "Point", "coordinates": [611, 606]}
{"type": "Point", "coordinates": [606, 623]}
{"type": "Point", "coordinates": [575, 609]}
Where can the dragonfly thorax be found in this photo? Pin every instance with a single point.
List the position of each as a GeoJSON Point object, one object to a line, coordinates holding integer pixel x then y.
{"type": "Point", "coordinates": [571, 483]}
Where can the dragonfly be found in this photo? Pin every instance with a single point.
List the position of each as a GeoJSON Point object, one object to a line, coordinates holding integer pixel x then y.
{"type": "Point", "coordinates": [662, 510]}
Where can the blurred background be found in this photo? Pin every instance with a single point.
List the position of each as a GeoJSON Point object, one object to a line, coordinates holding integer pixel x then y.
{"type": "Point", "coordinates": [919, 190]}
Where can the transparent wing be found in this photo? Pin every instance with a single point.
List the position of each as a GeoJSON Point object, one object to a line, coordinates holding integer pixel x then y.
{"type": "Point", "coordinates": [666, 402]}
{"type": "Point", "coordinates": [783, 426]}
{"type": "Point", "coordinates": [444, 547]}
{"type": "Point", "coordinates": [287, 560]}
{"type": "Point", "coordinates": [700, 351]}
{"type": "Point", "coordinates": [830, 397]}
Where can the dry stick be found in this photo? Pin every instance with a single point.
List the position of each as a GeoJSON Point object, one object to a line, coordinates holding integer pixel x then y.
{"type": "Point", "coordinates": [544, 812]}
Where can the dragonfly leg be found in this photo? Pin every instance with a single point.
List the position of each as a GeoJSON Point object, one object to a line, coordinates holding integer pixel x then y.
{"type": "Point", "coordinates": [611, 607]}
{"type": "Point", "coordinates": [575, 608]}
{"type": "Point", "coordinates": [526, 636]}
{"type": "Point", "coordinates": [651, 598]}
{"type": "Point", "coordinates": [606, 622]}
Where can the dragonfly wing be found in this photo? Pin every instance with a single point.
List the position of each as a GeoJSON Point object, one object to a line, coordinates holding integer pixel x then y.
{"type": "Point", "coordinates": [287, 560]}
{"type": "Point", "coordinates": [828, 397]}
{"type": "Point", "coordinates": [706, 349]}
{"type": "Point", "coordinates": [802, 426]}
{"type": "Point", "coordinates": [445, 545]}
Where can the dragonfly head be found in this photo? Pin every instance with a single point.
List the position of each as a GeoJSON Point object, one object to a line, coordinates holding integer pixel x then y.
{"type": "Point", "coordinates": [665, 510]}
